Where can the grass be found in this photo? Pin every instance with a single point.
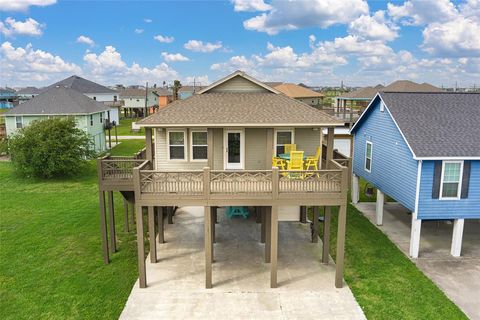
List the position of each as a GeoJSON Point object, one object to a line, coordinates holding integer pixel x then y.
{"type": "Point", "coordinates": [51, 263]}
{"type": "Point", "coordinates": [387, 284]}
{"type": "Point", "coordinates": [125, 128]}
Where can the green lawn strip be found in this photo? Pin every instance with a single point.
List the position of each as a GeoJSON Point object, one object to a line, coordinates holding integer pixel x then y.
{"type": "Point", "coordinates": [127, 147]}
{"type": "Point", "coordinates": [125, 128]}
{"type": "Point", "coordinates": [51, 262]}
{"type": "Point", "coordinates": [387, 284]}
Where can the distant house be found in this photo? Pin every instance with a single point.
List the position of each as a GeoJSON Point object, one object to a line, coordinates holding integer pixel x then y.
{"type": "Point", "coordinates": [61, 102]}
{"type": "Point", "coordinates": [423, 150]}
{"type": "Point", "coordinates": [94, 91]}
{"type": "Point", "coordinates": [8, 98]}
{"type": "Point", "coordinates": [165, 96]}
{"type": "Point", "coordinates": [187, 91]}
{"type": "Point", "coordinates": [300, 93]}
{"type": "Point", "coordinates": [27, 93]}
{"type": "Point", "coordinates": [134, 100]}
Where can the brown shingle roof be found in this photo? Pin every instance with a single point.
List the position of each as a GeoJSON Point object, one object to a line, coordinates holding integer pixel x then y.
{"type": "Point", "coordinates": [368, 93]}
{"type": "Point", "coordinates": [242, 109]}
{"type": "Point", "coordinates": [363, 93]}
{"type": "Point", "coordinates": [295, 91]}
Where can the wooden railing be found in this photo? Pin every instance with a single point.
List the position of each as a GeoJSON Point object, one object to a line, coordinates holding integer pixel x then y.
{"type": "Point", "coordinates": [119, 168]}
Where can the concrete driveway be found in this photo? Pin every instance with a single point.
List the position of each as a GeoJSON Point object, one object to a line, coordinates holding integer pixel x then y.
{"type": "Point", "coordinates": [241, 279]}
{"type": "Point", "coordinates": [459, 278]}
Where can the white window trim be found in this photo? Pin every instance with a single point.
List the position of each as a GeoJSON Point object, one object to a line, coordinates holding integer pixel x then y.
{"type": "Point", "coordinates": [459, 191]}
{"type": "Point", "coordinates": [200, 145]}
{"type": "Point", "coordinates": [291, 130]}
{"type": "Point", "coordinates": [371, 156]}
{"type": "Point", "coordinates": [185, 142]}
{"type": "Point", "coordinates": [21, 122]}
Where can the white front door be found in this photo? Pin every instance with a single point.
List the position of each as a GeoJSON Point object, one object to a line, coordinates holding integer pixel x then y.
{"type": "Point", "coordinates": [234, 147]}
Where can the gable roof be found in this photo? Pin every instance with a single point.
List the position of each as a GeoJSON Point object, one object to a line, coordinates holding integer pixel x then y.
{"type": "Point", "coordinates": [82, 85]}
{"type": "Point", "coordinates": [435, 125]}
{"type": "Point", "coordinates": [238, 73]}
{"type": "Point", "coordinates": [58, 101]}
{"type": "Point", "coordinates": [295, 91]}
{"type": "Point", "coordinates": [29, 90]}
{"type": "Point", "coordinates": [410, 86]}
{"type": "Point", "coordinates": [239, 109]}
{"type": "Point", "coordinates": [366, 93]}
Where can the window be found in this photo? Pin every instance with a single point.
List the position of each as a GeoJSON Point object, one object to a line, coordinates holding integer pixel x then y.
{"type": "Point", "coordinates": [368, 156]}
{"type": "Point", "coordinates": [101, 117]}
{"type": "Point", "coordinates": [91, 119]}
{"type": "Point", "coordinates": [94, 98]}
{"type": "Point", "coordinates": [282, 137]}
{"type": "Point", "coordinates": [176, 145]}
{"type": "Point", "coordinates": [115, 98]}
{"type": "Point", "coordinates": [19, 122]}
{"type": "Point", "coordinates": [199, 145]}
{"type": "Point", "coordinates": [451, 179]}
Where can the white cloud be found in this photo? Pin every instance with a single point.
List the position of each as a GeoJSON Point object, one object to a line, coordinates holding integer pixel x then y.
{"type": "Point", "coordinates": [109, 66]}
{"type": "Point", "coordinates": [25, 66]}
{"type": "Point", "coordinates": [86, 40]}
{"type": "Point", "coordinates": [295, 14]}
{"type": "Point", "coordinates": [197, 80]}
{"type": "Point", "coordinates": [459, 37]}
{"type": "Point", "coordinates": [173, 57]}
{"type": "Point", "coordinates": [418, 12]}
{"type": "Point", "coordinates": [200, 46]}
{"type": "Point", "coordinates": [164, 39]}
{"type": "Point", "coordinates": [22, 5]}
{"type": "Point", "coordinates": [138, 31]}
{"type": "Point", "coordinates": [30, 27]}
{"type": "Point", "coordinates": [147, 20]}
{"type": "Point", "coordinates": [373, 27]}
{"type": "Point", "coordinates": [250, 5]}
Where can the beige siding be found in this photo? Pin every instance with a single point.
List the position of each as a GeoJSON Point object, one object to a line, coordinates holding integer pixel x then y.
{"type": "Point", "coordinates": [238, 84]}
{"type": "Point", "coordinates": [255, 148]}
{"type": "Point", "coordinates": [307, 140]}
{"type": "Point", "coordinates": [218, 149]}
{"type": "Point", "coordinates": [161, 161]}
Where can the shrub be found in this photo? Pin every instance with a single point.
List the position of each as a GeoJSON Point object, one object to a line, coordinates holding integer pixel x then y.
{"type": "Point", "coordinates": [50, 148]}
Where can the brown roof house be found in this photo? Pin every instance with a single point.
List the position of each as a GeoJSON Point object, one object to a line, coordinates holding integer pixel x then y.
{"type": "Point", "coordinates": [310, 97]}
{"type": "Point", "coordinates": [218, 148]}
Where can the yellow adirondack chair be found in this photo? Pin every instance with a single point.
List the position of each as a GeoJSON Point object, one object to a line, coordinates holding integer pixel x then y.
{"type": "Point", "coordinates": [311, 162]}
{"type": "Point", "coordinates": [279, 163]}
{"type": "Point", "coordinates": [295, 163]}
{"type": "Point", "coordinates": [290, 147]}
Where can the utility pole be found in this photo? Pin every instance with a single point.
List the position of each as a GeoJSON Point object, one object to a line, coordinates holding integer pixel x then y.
{"type": "Point", "coordinates": [146, 95]}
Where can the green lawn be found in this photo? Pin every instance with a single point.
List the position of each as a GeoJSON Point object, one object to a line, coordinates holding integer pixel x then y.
{"type": "Point", "coordinates": [51, 261]}
{"type": "Point", "coordinates": [127, 147]}
{"type": "Point", "coordinates": [386, 284]}
{"type": "Point", "coordinates": [125, 129]}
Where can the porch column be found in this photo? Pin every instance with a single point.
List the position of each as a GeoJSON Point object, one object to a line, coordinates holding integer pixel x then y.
{"type": "Point", "coordinates": [262, 228]}
{"type": "Point", "coordinates": [355, 188]}
{"type": "Point", "coordinates": [415, 236]}
{"type": "Point", "coordinates": [342, 220]}
{"type": "Point", "coordinates": [379, 207]}
{"type": "Point", "coordinates": [111, 212]}
{"type": "Point", "coordinates": [125, 209]}
{"type": "Point", "coordinates": [457, 237]}
{"type": "Point", "coordinates": [212, 230]}
{"type": "Point", "coordinates": [210, 147]}
{"type": "Point", "coordinates": [269, 151]}
{"type": "Point", "coordinates": [329, 155]}
{"type": "Point", "coordinates": [274, 246]}
{"type": "Point", "coordinates": [303, 214]}
{"type": "Point", "coordinates": [142, 273]}
{"type": "Point", "coordinates": [103, 226]}
{"type": "Point", "coordinates": [208, 247]}
{"type": "Point", "coordinates": [315, 225]}
{"type": "Point", "coordinates": [170, 215]}
{"type": "Point", "coordinates": [151, 235]}
{"type": "Point", "coordinates": [326, 234]}
{"type": "Point", "coordinates": [161, 225]}
{"type": "Point", "coordinates": [148, 144]}
{"type": "Point", "coordinates": [268, 232]}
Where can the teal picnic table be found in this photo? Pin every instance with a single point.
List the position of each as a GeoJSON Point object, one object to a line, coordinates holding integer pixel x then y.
{"type": "Point", "coordinates": [286, 156]}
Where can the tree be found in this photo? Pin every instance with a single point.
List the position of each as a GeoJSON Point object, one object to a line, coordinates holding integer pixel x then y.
{"type": "Point", "coordinates": [176, 86]}
{"type": "Point", "coordinates": [50, 148]}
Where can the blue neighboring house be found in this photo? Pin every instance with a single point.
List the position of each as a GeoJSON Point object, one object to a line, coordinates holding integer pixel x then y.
{"type": "Point", "coordinates": [8, 98]}
{"type": "Point", "coordinates": [423, 150]}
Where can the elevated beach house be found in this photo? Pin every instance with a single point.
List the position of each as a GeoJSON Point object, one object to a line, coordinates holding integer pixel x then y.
{"type": "Point", "coordinates": [422, 150]}
{"type": "Point", "coordinates": [306, 95]}
{"type": "Point", "coordinates": [223, 147]}
{"type": "Point", "coordinates": [61, 102]}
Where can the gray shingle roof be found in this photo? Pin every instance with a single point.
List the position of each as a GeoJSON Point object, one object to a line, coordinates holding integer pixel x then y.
{"type": "Point", "coordinates": [231, 108]}
{"type": "Point", "coordinates": [58, 101]}
{"type": "Point", "coordinates": [29, 90]}
{"type": "Point", "coordinates": [82, 85]}
{"type": "Point", "coordinates": [437, 124]}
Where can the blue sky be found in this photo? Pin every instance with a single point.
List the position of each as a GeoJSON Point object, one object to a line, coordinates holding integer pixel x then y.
{"type": "Point", "coordinates": [319, 42]}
